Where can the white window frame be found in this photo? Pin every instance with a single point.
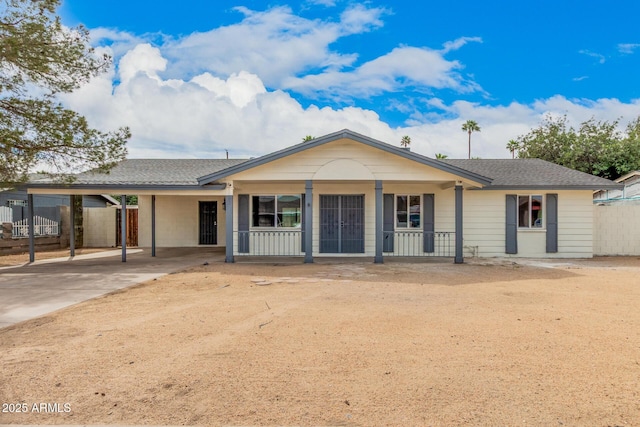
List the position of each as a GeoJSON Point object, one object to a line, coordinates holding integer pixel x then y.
{"type": "Point", "coordinates": [542, 207]}
{"type": "Point", "coordinates": [395, 212]}
{"type": "Point", "coordinates": [275, 214]}
{"type": "Point", "coordinates": [14, 202]}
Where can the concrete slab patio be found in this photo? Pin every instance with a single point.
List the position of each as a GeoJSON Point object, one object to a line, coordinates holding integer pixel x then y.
{"type": "Point", "coordinates": [32, 290]}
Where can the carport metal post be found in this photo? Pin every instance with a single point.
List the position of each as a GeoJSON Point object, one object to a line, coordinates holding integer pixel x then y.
{"type": "Point", "coordinates": [32, 241]}
{"type": "Point", "coordinates": [153, 225]}
{"type": "Point", "coordinates": [123, 226]}
{"type": "Point", "coordinates": [72, 226]}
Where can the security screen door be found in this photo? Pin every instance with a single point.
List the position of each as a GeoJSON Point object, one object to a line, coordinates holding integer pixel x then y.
{"type": "Point", "coordinates": [208, 223]}
{"type": "Point", "coordinates": [342, 224]}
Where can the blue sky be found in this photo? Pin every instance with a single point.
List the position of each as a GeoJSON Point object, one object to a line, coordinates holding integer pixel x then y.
{"type": "Point", "coordinates": [194, 78]}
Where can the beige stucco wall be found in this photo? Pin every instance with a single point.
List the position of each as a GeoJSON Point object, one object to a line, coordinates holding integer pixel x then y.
{"type": "Point", "coordinates": [616, 230]}
{"type": "Point", "coordinates": [177, 223]}
{"type": "Point", "coordinates": [484, 225]}
{"type": "Point", "coordinates": [99, 225]}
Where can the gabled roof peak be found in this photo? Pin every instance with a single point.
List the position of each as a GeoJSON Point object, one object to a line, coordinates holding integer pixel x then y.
{"type": "Point", "coordinates": [354, 136]}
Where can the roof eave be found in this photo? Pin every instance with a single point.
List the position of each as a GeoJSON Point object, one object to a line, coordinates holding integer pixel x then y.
{"type": "Point", "coordinates": [463, 173]}
{"type": "Point", "coordinates": [554, 187]}
{"type": "Point", "coordinates": [118, 187]}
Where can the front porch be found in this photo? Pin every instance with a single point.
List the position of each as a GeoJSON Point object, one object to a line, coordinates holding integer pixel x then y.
{"type": "Point", "coordinates": [348, 219]}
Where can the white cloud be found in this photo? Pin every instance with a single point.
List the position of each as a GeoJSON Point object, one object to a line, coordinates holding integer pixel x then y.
{"type": "Point", "coordinates": [205, 115]}
{"type": "Point", "coordinates": [628, 48]}
{"type": "Point", "coordinates": [228, 88]}
{"type": "Point", "coordinates": [402, 67]}
{"type": "Point", "coordinates": [142, 59]}
{"type": "Point", "coordinates": [458, 43]}
{"type": "Point", "coordinates": [601, 58]}
{"type": "Point", "coordinates": [326, 3]}
{"type": "Point", "coordinates": [273, 44]}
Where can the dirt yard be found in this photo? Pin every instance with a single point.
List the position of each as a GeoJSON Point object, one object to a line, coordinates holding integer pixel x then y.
{"type": "Point", "coordinates": [492, 343]}
{"type": "Point", "coordinates": [23, 258]}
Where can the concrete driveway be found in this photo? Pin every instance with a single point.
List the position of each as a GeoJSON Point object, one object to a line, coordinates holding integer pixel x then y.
{"type": "Point", "coordinates": [36, 289]}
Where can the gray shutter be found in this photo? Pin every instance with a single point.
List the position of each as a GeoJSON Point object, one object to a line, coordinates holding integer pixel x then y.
{"type": "Point", "coordinates": [243, 223]}
{"type": "Point", "coordinates": [387, 223]}
{"type": "Point", "coordinates": [428, 218]}
{"type": "Point", "coordinates": [511, 232]}
{"type": "Point", "coordinates": [302, 222]}
{"type": "Point", "coordinates": [552, 223]}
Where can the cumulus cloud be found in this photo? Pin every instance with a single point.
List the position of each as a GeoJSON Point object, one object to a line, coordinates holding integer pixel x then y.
{"type": "Point", "coordinates": [233, 88]}
{"type": "Point", "coordinates": [273, 44]}
{"type": "Point", "coordinates": [203, 116]}
{"type": "Point", "coordinates": [404, 67]}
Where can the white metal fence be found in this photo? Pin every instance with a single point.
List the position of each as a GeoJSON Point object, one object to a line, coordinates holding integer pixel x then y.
{"type": "Point", "coordinates": [6, 214]}
{"type": "Point", "coordinates": [42, 227]}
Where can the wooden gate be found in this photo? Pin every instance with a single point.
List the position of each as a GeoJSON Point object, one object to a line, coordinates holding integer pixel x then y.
{"type": "Point", "coordinates": [132, 227]}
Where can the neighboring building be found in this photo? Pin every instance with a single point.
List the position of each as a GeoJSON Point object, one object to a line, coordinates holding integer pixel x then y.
{"type": "Point", "coordinates": [346, 194]}
{"type": "Point", "coordinates": [629, 194]}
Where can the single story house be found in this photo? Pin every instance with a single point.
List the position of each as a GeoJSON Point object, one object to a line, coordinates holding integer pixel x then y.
{"type": "Point", "coordinates": [346, 194]}
{"type": "Point", "coordinates": [628, 194]}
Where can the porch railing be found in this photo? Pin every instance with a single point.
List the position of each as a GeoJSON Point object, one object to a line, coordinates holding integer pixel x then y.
{"type": "Point", "coordinates": [269, 243]}
{"type": "Point", "coordinates": [419, 244]}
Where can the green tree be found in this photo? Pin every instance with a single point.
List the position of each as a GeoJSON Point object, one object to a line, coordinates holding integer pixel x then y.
{"type": "Point", "coordinates": [441, 156]}
{"type": "Point", "coordinates": [470, 126]}
{"type": "Point", "coordinates": [596, 147]}
{"type": "Point", "coordinates": [39, 58]}
{"type": "Point", "coordinates": [308, 138]}
{"type": "Point", "coordinates": [405, 141]}
{"type": "Point", "coordinates": [512, 146]}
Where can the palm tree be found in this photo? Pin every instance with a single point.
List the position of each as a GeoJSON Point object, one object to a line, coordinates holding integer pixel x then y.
{"type": "Point", "coordinates": [470, 126]}
{"type": "Point", "coordinates": [308, 138]}
{"type": "Point", "coordinates": [441, 156]}
{"type": "Point", "coordinates": [512, 146]}
{"type": "Point", "coordinates": [405, 141]}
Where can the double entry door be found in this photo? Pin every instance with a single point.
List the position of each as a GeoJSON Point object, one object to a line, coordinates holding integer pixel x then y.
{"type": "Point", "coordinates": [342, 224]}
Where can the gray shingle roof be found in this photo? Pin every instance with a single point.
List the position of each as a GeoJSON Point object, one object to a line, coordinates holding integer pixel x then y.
{"type": "Point", "coordinates": [530, 173]}
{"type": "Point", "coordinates": [157, 172]}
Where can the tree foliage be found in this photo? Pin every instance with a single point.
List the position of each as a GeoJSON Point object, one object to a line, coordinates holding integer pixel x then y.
{"type": "Point", "coordinates": [405, 141]}
{"type": "Point", "coordinates": [512, 146]}
{"type": "Point", "coordinates": [596, 147]}
{"type": "Point", "coordinates": [470, 126]}
{"type": "Point", "coordinates": [40, 58]}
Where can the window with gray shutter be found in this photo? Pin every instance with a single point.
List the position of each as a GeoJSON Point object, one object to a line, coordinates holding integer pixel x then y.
{"type": "Point", "coordinates": [511, 231]}
{"type": "Point", "coordinates": [429, 222]}
{"type": "Point", "coordinates": [552, 223]}
{"type": "Point", "coordinates": [243, 223]}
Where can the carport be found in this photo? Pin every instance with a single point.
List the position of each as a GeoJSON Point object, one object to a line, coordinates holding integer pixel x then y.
{"type": "Point", "coordinates": [172, 182]}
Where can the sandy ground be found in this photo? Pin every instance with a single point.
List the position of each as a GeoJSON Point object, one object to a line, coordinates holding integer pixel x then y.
{"type": "Point", "coordinates": [485, 343]}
